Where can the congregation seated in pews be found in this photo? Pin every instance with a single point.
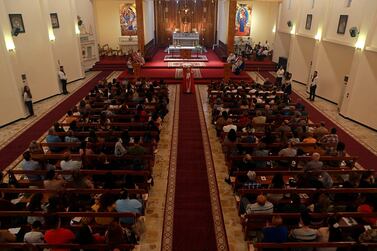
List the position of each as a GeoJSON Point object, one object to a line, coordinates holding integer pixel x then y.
{"type": "Point", "coordinates": [292, 179]}
{"type": "Point", "coordinates": [86, 186]}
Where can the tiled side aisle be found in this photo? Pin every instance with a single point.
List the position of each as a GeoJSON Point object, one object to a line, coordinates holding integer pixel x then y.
{"type": "Point", "coordinates": [154, 215]}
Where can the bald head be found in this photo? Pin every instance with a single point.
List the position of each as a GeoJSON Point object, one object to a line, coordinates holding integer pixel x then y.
{"type": "Point", "coordinates": [316, 156]}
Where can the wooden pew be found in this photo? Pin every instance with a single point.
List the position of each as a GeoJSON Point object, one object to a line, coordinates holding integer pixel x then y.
{"type": "Point", "coordinates": [255, 222]}
{"type": "Point", "coordinates": [289, 245]}
{"type": "Point", "coordinates": [40, 247]}
{"type": "Point", "coordinates": [287, 174]}
{"type": "Point", "coordinates": [131, 133]}
{"type": "Point", "coordinates": [231, 161]}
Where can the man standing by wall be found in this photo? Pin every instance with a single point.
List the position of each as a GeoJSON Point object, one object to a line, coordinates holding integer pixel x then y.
{"type": "Point", "coordinates": [63, 80]}
{"type": "Point", "coordinates": [313, 86]}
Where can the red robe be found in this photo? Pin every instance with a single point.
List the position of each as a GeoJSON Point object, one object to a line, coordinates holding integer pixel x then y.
{"type": "Point", "coordinates": [188, 85]}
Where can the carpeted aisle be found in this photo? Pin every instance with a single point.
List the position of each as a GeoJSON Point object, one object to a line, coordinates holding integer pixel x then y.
{"type": "Point", "coordinates": [193, 228]}
{"type": "Point", "coordinates": [19, 144]}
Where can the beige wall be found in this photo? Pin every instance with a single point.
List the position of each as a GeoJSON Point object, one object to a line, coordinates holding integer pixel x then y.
{"type": "Point", "coordinates": [360, 98]}
{"type": "Point", "coordinates": [34, 55]}
{"type": "Point", "coordinates": [66, 47]}
{"type": "Point", "coordinates": [223, 20]}
{"type": "Point", "coordinates": [263, 19]}
{"type": "Point", "coordinates": [334, 62]}
{"type": "Point", "coordinates": [148, 9]}
{"type": "Point", "coordinates": [11, 102]}
{"type": "Point", "coordinates": [281, 46]}
{"type": "Point", "coordinates": [333, 55]}
{"type": "Point", "coordinates": [302, 52]}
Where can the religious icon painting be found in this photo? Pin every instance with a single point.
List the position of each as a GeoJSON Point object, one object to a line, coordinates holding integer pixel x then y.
{"type": "Point", "coordinates": [128, 22]}
{"type": "Point", "coordinates": [17, 23]}
{"type": "Point", "coordinates": [243, 20]}
{"type": "Point", "coordinates": [54, 20]}
{"type": "Point", "coordinates": [308, 24]}
{"type": "Point", "coordinates": [342, 25]}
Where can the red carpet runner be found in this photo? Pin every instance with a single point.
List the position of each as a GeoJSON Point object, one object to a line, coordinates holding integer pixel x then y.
{"type": "Point", "coordinates": [353, 147]}
{"type": "Point", "coordinates": [19, 144]}
{"type": "Point", "coordinates": [193, 223]}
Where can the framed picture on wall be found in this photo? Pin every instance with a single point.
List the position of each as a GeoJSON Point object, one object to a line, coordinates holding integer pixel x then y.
{"type": "Point", "coordinates": [16, 22]}
{"type": "Point", "coordinates": [342, 25]}
{"type": "Point", "coordinates": [54, 20]}
{"type": "Point", "coordinates": [308, 24]}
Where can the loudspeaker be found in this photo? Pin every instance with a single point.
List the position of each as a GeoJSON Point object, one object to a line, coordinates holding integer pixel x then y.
{"type": "Point", "coordinates": [354, 31]}
{"type": "Point", "coordinates": [15, 31]}
{"type": "Point", "coordinates": [289, 23]}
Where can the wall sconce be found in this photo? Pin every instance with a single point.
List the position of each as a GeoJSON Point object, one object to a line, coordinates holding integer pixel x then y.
{"type": "Point", "coordinates": [77, 30]}
{"type": "Point", "coordinates": [318, 36]}
{"type": "Point", "coordinates": [51, 36]}
{"type": "Point", "coordinates": [293, 30]}
{"type": "Point", "coordinates": [274, 29]}
{"type": "Point", "coordinates": [10, 44]}
{"type": "Point", "coordinates": [360, 44]}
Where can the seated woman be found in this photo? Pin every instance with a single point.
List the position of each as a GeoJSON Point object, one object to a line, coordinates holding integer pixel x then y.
{"type": "Point", "coordinates": [105, 203]}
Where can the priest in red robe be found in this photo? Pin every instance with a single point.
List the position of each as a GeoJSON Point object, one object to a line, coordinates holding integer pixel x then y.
{"type": "Point", "coordinates": [188, 79]}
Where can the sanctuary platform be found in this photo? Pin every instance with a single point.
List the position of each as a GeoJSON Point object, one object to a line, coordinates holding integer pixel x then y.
{"type": "Point", "coordinates": [208, 67]}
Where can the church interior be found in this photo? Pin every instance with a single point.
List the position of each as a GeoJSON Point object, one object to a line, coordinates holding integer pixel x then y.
{"type": "Point", "coordinates": [196, 125]}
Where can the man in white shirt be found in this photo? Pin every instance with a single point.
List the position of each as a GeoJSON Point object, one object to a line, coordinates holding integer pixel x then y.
{"type": "Point", "coordinates": [279, 75]}
{"type": "Point", "coordinates": [229, 127]}
{"type": "Point", "coordinates": [67, 164]}
{"type": "Point", "coordinates": [231, 58]}
{"type": "Point", "coordinates": [63, 80]}
{"type": "Point", "coordinates": [267, 46]}
{"type": "Point", "coordinates": [35, 235]}
{"type": "Point", "coordinates": [313, 86]}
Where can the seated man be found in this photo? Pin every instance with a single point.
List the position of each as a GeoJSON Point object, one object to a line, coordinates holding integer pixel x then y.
{"type": "Point", "coordinates": [304, 232]}
{"type": "Point", "coordinates": [137, 149]}
{"type": "Point", "coordinates": [258, 121]}
{"type": "Point", "coordinates": [289, 151]}
{"type": "Point", "coordinates": [276, 231]}
{"type": "Point", "coordinates": [231, 58]}
{"type": "Point", "coordinates": [330, 141]}
{"type": "Point", "coordinates": [30, 165]}
{"type": "Point", "coordinates": [314, 165]}
{"type": "Point", "coordinates": [67, 164]}
{"type": "Point", "coordinates": [260, 206]}
{"type": "Point", "coordinates": [238, 65]}
{"type": "Point", "coordinates": [125, 204]}
{"type": "Point", "coordinates": [320, 131]}
{"type": "Point", "coordinates": [53, 138]}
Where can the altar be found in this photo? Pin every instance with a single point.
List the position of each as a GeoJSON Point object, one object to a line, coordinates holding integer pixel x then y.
{"type": "Point", "coordinates": [185, 38]}
{"type": "Point", "coordinates": [178, 51]}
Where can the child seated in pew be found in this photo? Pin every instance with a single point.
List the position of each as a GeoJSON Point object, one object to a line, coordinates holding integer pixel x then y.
{"type": "Point", "coordinates": [35, 235]}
